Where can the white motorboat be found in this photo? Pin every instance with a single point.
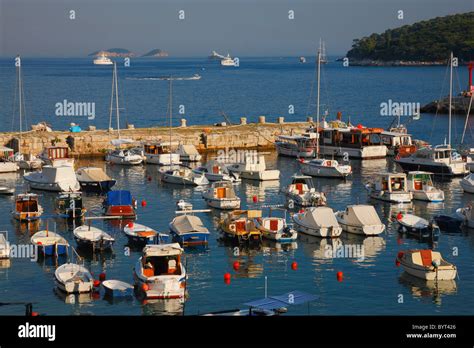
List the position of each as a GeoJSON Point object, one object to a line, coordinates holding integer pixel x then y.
{"type": "Point", "coordinates": [317, 221]}
{"type": "Point", "coordinates": [102, 59]}
{"type": "Point", "coordinates": [60, 179]}
{"type": "Point", "coordinates": [276, 228]}
{"type": "Point", "coordinates": [182, 176]}
{"type": "Point", "coordinates": [467, 215]}
{"type": "Point", "coordinates": [159, 272]}
{"type": "Point", "coordinates": [73, 278]}
{"type": "Point", "coordinates": [421, 185]}
{"type": "Point", "coordinates": [216, 171]}
{"type": "Point", "coordinates": [254, 168]}
{"type": "Point", "coordinates": [7, 164]}
{"type": "Point", "coordinates": [161, 154]}
{"type": "Point", "coordinates": [4, 246]}
{"type": "Point", "coordinates": [189, 230]}
{"type": "Point", "coordinates": [418, 227]}
{"type": "Point", "coordinates": [94, 179]}
{"type": "Point", "coordinates": [92, 237]}
{"type": "Point", "coordinates": [390, 187]}
{"type": "Point", "coordinates": [125, 157]}
{"type": "Point", "coordinates": [228, 61]}
{"type": "Point", "coordinates": [467, 183]}
{"type": "Point", "coordinates": [325, 168]}
{"type": "Point", "coordinates": [426, 264]}
{"type": "Point", "coordinates": [189, 153]}
{"type": "Point", "coordinates": [221, 195]}
{"type": "Point", "coordinates": [301, 192]}
{"type": "Point", "coordinates": [360, 219]}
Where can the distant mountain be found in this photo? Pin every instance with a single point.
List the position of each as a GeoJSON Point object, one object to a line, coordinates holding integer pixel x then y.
{"type": "Point", "coordinates": [114, 52]}
{"type": "Point", "coordinates": [426, 41]}
{"type": "Point", "coordinates": [156, 53]}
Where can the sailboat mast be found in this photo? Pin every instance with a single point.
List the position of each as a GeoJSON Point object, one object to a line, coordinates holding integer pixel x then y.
{"type": "Point", "coordinates": [117, 100]}
{"type": "Point", "coordinates": [450, 95]}
{"type": "Point", "coordinates": [171, 114]}
{"type": "Point", "coordinates": [112, 98]}
{"type": "Point", "coordinates": [317, 102]}
{"type": "Point", "coordinates": [20, 98]}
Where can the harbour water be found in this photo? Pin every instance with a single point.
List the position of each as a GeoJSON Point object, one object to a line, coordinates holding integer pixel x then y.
{"type": "Point", "coordinates": [371, 285]}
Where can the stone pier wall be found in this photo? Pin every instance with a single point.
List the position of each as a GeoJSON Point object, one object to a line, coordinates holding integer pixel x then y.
{"type": "Point", "coordinates": [205, 138]}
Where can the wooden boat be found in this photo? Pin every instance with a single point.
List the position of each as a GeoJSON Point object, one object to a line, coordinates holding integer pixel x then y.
{"type": "Point", "coordinates": [302, 192]}
{"type": "Point", "coordinates": [120, 203]}
{"type": "Point", "coordinates": [317, 221]}
{"type": "Point", "coordinates": [50, 243]}
{"type": "Point", "coordinates": [426, 264]}
{"type": "Point", "coordinates": [321, 167]}
{"type": "Point", "coordinates": [4, 246]}
{"type": "Point", "coordinates": [221, 195]}
{"type": "Point", "coordinates": [467, 183]}
{"type": "Point", "coordinates": [27, 207]}
{"type": "Point", "coordinates": [160, 153]}
{"type": "Point", "coordinates": [94, 179]}
{"type": "Point", "coordinates": [390, 187]}
{"type": "Point", "coordinates": [117, 288]}
{"type": "Point", "coordinates": [276, 228]}
{"type": "Point", "coordinates": [73, 278]}
{"type": "Point", "coordinates": [54, 178]}
{"type": "Point", "coordinates": [189, 230]}
{"type": "Point", "coordinates": [421, 185]}
{"type": "Point", "coordinates": [240, 226]}
{"type": "Point", "coordinates": [360, 219]}
{"type": "Point", "coordinates": [141, 234]}
{"type": "Point", "coordinates": [88, 236]}
{"type": "Point", "coordinates": [254, 168]}
{"type": "Point", "coordinates": [69, 205]}
{"type": "Point", "coordinates": [417, 226]}
{"type": "Point", "coordinates": [182, 176]}
{"type": "Point", "coordinates": [159, 272]}
{"type": "Point", "coordinates": [189, 153]}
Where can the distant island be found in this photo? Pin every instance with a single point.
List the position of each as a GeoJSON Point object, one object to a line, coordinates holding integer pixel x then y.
{"type": "Point", "coordinates": [423, 43]}
{"type": "Point", "coordinates": [156, 53]}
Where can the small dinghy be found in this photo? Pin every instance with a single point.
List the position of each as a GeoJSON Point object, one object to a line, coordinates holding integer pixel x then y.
{"type": "Point", "coordinates": [69, 205]}
{"type": "Point", "coordinates": [217, 171]}
{"type": "Point", "coordinates": [189, 230]}
{"type": "Point", "coordinates": [317, 221]}
{"type": "Point", "coordinates": [417, 226]}
{"type": "Point", "coordinates": [88, 236]}
{"type": "Point", "coordinates": [50, 243]}
{"type": "Point", "coordinates": [467, 183]}
{"type": "Point", "coordinates": [448, 223]}
{"type": "Point", "coordinates": [360, 219]}
{"type": "Point", "coordinates": [117, 288]}
{"type": "Point", "coordinates": [302, 192]}
{"type": "Point", "coordinates": [426, 264]}
{"type": "Point", "coordinates": [141, 234]}
{"type": "Point", "coordinates": [73, 278]}
{"type": "Point", "coordinates": [6, 189]}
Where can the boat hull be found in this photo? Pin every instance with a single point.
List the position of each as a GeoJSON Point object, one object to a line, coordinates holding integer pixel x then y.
{"type": "Point", "coordinates": [191, 238]}
{"type": "Point", "coordinates": [261, 176]}
{"type": "Point", "coordinates": [443, 169]}
{"type": "Point", "coordinates": [322, 171]}
{"type": "Point", "coordinates": [369, 152]}
{"type": "Point", "coordinates": [163, 159]}
{"type": "Point", "coordinates": [225, 204]}
{"type": "Point", "coordinates": [97, 186]}
{"type": "Point", "coordinates": [323, 232]}
{"type": "Point", "coordinates": [120, 210]}
{"type": "Point", "coordinates": [392, 197]}
{"type": "Point", "coordinates": [361, 230]}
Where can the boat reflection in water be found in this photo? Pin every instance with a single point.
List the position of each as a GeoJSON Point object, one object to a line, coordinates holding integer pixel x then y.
{"type": "Point", "coordinates": [369, 246]}
{"type": "Point", "coordinates": [173, 306]}
{"type": "Point", "coordinates": [271, 247]}
{"type": "Point", "coordinates": [245, 255]}
{"type": "Point", "coordinates": [319, 249]}
{"type": "Point", "coordinates": [5, 263]}
{"type": "Point", "coordinates": [77, 298]}
{"type": "Point", "coordinates": [259, 189]}
{"type": "Point", "coordinates": [428, 289]}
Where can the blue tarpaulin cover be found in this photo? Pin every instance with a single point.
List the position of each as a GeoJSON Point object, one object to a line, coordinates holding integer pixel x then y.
{"type": "Point", "coordinates": [290, 298]}
{"type": "Point", "coordinates": [119, 197]}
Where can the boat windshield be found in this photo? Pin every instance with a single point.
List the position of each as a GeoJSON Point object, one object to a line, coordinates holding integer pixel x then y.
{"type": "Point", "coordinates": [161, 265]}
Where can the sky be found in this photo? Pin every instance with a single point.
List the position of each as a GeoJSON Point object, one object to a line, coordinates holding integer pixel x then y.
{"type": "Point", "coordinates": [44, 28]}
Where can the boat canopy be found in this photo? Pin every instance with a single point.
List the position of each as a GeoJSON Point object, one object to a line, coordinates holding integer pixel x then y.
{"type": "Point", "coordinates": [162, 250]}
{"type": "Point", "coordinates": [119, 197]}
{"type": "Point", "coordinates": [93, 174]}
{"type": "Point", "coordinates": [362, 214]}
{"type": "Point", "coordinates": [188, 223]}
{"type": "Point", "coordinates": [320, 216]}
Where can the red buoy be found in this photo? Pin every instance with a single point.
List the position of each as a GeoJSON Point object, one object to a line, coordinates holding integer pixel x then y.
{"type": "Point", "coordinates": [130, 225]}
{"type": "Point", "coordinates": [96, 283]}
{"type": "Point", "coordinates": [397, 263]}
{"type": "Point", "coordinates": [102, 276]}
{"type": "Point", "coordinates": [145, 287]}
{"type": "Point", "coordinates": [399, 215]}
{"type": "Point", "coordinates": [96, 295]}
{"type": "Point", "coordinates": [227, 281]}
{"type": "Point", "coordinates": [255, 199]}
{"type": "Point", "coordinates": [34, 314]}
{"type": "Point", "coordinates": [227, 278]}
{"type": "Point", "coordinates": [301, 211]}
{"type": "Point", "coordinates": [294, 265]}
{"type": "Point", "coordinates": [340, 276]}
{"type": "Point", "coordinates": [236, 265]}
{"type": "Point", "coordinates": [143, 203]}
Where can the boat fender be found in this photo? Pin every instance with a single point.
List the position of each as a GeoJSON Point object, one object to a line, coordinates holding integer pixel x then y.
{"type": "Point", "coordinates": [232, 227]}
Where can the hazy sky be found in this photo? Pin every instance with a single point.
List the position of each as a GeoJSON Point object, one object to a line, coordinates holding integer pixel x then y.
{"type": "Point", "coordinates": [241, 27]}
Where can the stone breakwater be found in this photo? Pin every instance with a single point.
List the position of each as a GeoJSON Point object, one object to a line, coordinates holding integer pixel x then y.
{"type": "Point", "coordinates": [95, 143]}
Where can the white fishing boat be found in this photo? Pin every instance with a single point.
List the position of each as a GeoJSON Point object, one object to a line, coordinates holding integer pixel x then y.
{"type": "Point", "coordinates": [94, 179]}
{"type": "Point", "coordinates": [102, 59]}
{"type": "Point", "coordinates": [88, 236]}
{"type": "Point", "coordinates": [7, 164]}
{"type": "Point", "coordinates": [159, 272]}
{"type": "Point", "coordinates": [189, 153]}
{"type": "Point", "coordinates": [189, 230]}
{"type": "Point", "coordinates": [141, 234]}
{"type": "Point", "coordinates": [467, 183]}
{"type": "Point", "coordinates": [125, 157]}
{"type": "Point", "coordinates": [73, 278]}
{"type": "Point", "coordinates": [276, 228]}
{"type": "Point", "coordinates": [467, 215]}
{"type": "Point", "coordinates": [360, 219]}
{"type": "Point", "coordinates": [426, 264]}
{"type": "Point", "coordinates": [302, 192]}
{"type": "Point", "coordinates": [221, 195]}
{"type": "Point", "coordinates": [417, 226]}
{"type": "Point", "coordinates": [182, 176]}
{"type": "Point", "coordinates": [228, 61]}
{"type": "Point", "coordinates": [49, 243]}
{"type": "Point", "coordinates": [4, 246]}
{"type": "Point", "coordinates": [60, 179]}
{"type": "Point", "coordinates": [390, 187]}
{"type": "Point", "coordinates": [254, 168]}
{"type": "Point", "coordinates": [421, 185]}
{"type": "Point", "coordinates": [27, 207]}
{"type": "Point", "coordinates": [216, 171]}
{"type": "Point", "coordinates": [161, 154]}
{"type": "Point", "coordinates": [325, 168]}
{"type": "Point", "coordinates": [317, 221]}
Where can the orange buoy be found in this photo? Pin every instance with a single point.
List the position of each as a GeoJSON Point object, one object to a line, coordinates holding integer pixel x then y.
{"type": "Point", "coordinates": [294, 265]}
{"type": "Point", "coordinates": [102, 276]}
{"type": "Point", "coordinates": [255, 199]}
{"type": "Point", "coordinates": [236, 265]}
{"type": "Point", "coordinates": [340, 276]}
{"type": "Point", "coordinates": [143, 203]}
{"type": "Point", "coordinates": [399, 241]}
{"type": "Point", "coordinates": [145, 287]}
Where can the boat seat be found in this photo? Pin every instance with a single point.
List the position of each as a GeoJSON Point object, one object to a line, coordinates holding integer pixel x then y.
{"type": "Point", "coordinates": [426, 257]}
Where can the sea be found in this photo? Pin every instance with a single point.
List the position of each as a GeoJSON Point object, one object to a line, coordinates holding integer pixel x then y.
{"type": "Point", "coordinates": [272, 87]}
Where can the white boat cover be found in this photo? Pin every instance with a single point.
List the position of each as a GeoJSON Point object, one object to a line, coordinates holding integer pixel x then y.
{"type": "Point", "coordinates": [162, 249]}
{"type": "Point", "coordinates": [72, 271]}
{"type": "Point", "coordinates": [188, 223]}
{"type": "Point", "coordinates": [413, 221]}
{"type": "Point", "coordinates": [320, 217]}
{"type": "Point", "coordinates": [91, 233]}
{"type": "Point", "coordinates": [48, 238]}
{"type": "Point", "coordinates": [187, 150]}
{"type": "Point", "coordinates": [362, 215]}
{"type": "Point", "coordinates": [92, 174]}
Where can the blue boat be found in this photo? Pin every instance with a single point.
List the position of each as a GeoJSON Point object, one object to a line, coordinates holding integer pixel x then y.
{"type": "Point", "coordinates": [120, 203]}
{"type": "Point", "coordinates": [50, 243]}
{"type": "Point", "coordinates": [189, 230]}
